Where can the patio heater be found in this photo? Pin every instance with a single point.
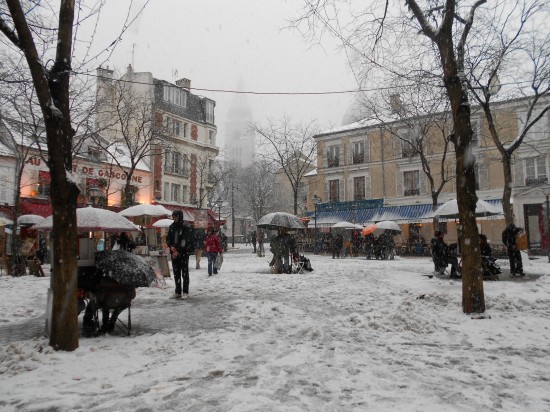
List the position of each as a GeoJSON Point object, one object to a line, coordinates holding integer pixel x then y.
{"type": "Point", "coordinates": [316, 201]}
{"type": "Point", "coordinates": [546, 191]}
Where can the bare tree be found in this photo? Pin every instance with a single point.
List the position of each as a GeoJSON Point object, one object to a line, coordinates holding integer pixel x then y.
{"type": "Point", "coordinates": [291, 148]}
{"type": "Point", "coordinates": [378, 33]}
{"type": "Point", "coordinates": [418, 118]}
{"type": "Point", "coordinates": [259, 193]}
{"type": "Point", "coordinates": [129, 131]}
{"type": "Point", "coordinates": [508, 36]}
{"type": "Point", "coordinates": [28, 30]}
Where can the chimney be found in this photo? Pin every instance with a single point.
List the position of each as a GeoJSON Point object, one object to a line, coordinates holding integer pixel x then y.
{"type": "Point", "coordinates": [396, 105]}
{"type": "Point", "coordinates": [184, 83]}
{"type": "Point", "coordinates": [104, 74]}
{"type": "Point", "coordinates": [130, 70]}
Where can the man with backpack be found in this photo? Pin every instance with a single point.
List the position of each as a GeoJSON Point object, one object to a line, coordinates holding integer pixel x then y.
{"type": "Point", "coordinates": [181, 241]}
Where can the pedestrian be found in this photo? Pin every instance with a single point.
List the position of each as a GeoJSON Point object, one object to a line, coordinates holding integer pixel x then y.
{"type": "Point", "coordinates": [212, 246]}
{"type": "Point", "coordinates": [509, 236]}
{"type": "Point", "coordinates": [253, 239]}
{"type": "Point", "coordinates": [223, 240]}
{"type": "Point", "coordinates": [444, 255]}
{"type": "Point", "coordinates": [281, 246]}
{"type": "Point", "coordinates": [181, 241]}
{"type": "Point", "coordinates": [200, 236]}
{"type": "Point", "coordinates": [337, 244]}
{"type": "Point", "coordinates": [261, 250]}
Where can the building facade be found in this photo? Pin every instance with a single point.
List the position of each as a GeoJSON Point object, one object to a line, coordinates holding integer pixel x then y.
{"type": "Point", "coordinates": [371, 161]}
{"type": "Point", "coordinates": [183, 135]}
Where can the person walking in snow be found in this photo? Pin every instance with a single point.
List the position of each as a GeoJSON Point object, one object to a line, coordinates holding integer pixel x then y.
{"type": "Point", "coordinates": [200, 236]}
{"type": "Point", "coordinates": [181, 241]}
{"type": "Point", "coordinates": [514, 255]}
{"type": "Point", "coordinates": [212, 246]}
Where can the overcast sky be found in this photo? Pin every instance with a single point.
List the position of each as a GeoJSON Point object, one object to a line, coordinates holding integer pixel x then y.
{"type": "Point", "coordinates": [215, 43]}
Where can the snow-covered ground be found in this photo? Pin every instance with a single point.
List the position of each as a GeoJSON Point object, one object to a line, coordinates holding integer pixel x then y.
{"type": "Point", "coordinates": [353, 335]}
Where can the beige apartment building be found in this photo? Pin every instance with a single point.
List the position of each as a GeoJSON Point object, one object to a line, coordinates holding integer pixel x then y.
{"type": "Point", "coordinates": [368, 171]}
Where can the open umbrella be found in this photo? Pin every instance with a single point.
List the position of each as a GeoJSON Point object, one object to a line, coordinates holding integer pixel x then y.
{"type": "Point", "coordinates": [163, 223]}
{"type": "Point", "coordinates": [125, 267]}
{"type": "Point", "coordinates": [279, 220]}
{"type": "Point", "coordinates": [345, 225]}
{"type": "Point", "coordinates": [450, 209]}
{"type": "Point", "coordinates": [388, 225]}
{"type": "Point", "coordinates": [25, 220]}
{"type": "Point", "coordinates": [5, 221]}
{"type": "Point", "coordinates": [91, 219]}
{"type": "Point", "coordinates": [145, 210]}
{"type": "Point", "coordinates": [368, 230]}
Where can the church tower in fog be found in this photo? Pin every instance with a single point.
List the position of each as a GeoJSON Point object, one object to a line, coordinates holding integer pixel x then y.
{"type": "Point", "coordinates": [240, 141]}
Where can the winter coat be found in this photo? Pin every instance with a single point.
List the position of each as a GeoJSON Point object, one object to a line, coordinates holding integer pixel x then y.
{"type": "Point", "coordinates": [182, 237]}
{"type": "Point", "coordinates": [509, 235]}
{"type": "Point", "coordinates": [200, 236]}
{"type": "Point", "coordinates": [212, 244]}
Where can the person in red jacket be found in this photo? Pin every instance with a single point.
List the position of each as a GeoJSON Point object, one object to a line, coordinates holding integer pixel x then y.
{"type": "Point", "coordinates": [212, 246]}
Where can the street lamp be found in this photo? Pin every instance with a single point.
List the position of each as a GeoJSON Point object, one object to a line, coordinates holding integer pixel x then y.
{"type": "Point", "coordinates": [316, 201]}
{"type": "Point", "coordinates": [546, 191]}
{"type": "Point", "coordinates": [219, 203]}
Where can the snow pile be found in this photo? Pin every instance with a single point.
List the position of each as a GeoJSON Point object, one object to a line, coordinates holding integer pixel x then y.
{"type": "Point", "coordinates": [351, 335]}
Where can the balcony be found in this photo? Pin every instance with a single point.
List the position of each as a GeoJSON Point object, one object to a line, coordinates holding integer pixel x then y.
{"type": "Point", "coordinates": [333, 162]}
{"type": "Point", "coordinates": [536, 181]}
{"type": "Point", "coordinates": [358, 158]}
{"type": "Point", "coordinates": [412, 192]}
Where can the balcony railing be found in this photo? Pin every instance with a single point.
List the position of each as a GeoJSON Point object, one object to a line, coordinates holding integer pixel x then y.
{"type": "Point", "coordinates": [412, 192]}
{"type": "Point", "coordinates": [536, 181]}
{"type": "Point", "coordinates": [358, 158]}
{"type": "Point", "coordinates": [333, 162]}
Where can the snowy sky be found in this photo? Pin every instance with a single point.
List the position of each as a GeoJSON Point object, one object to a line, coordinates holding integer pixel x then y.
{"type": "Point", "coordinates": [217, 44]}
{"type": "Point", "coordinates": [353, 335]}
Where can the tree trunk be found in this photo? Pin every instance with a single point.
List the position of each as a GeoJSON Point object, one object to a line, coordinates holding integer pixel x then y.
{"type": "Point", "coordinates": [507, 207]}
{"type": "Point", "coordinates": [473, 300]}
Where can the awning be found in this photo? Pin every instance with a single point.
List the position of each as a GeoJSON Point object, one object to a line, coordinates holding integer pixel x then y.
{"type": "Point", "coordinates": [400, 214]}
{"type": "Point", "coordinates": [32, 206]}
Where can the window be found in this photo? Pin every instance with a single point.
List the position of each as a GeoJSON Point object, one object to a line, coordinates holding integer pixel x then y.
{"type": "Point", "coordinates": [475, 132]}
{"type": "Point", "coordinates": [410, 141]}
{"type": "Point", "coordinates": [359, 188]}
{"type": "Point", "coordinates": [211, 136]}
{"type": "Point", "coordinates": [176, 162]}
{"type": "Point", "coordinates": [535, 171]}
{"type": "Point", "coordinates": [176, 124]}
{"type": "Point", "coordinates": [185, 168]}
{"type": "Point", "coordinates": [411, 180]}
{"type": "Point", "coordinates": [175, 95]}
{"type": "Point", "coordinates": [333, 156]}
{"type": "Point", "coordinates": [168, 162]}
{"type": "Point", "coordinates": [184, 194]}
{"type": "Point", "coordinates": [209, 109]}
{"type": "Point", "coordinates": [334, 190]}
{"type": "Point", "coordinates": [94, 153]}
{"type": "Point", "coordinates": [44, 181]}
{"type": "Point", "coordinates": [358, 155]}
{"type": "Point", "coordinates": [476, 171]}
{"type": "Point", "coordinates": [166, 191]}
{"type": "Point", "coordinates": [537, 131]}
{"type": "Point", "coordinates": [185, 127]}
{"type": "Point", "coordinates": [175, 192]}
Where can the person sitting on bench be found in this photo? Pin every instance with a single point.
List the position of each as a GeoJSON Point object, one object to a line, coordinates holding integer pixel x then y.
{"type": "Point", "coordinates": [443, 255]}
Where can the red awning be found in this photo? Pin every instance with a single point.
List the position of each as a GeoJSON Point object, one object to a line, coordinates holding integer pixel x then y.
{"type": "Point", "coordinates": [32, 206]}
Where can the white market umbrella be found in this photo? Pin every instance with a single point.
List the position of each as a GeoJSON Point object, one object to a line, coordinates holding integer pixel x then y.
{"type": "Point", "coordinates": [278, 220]}
{"type": "Point", "coordinates": [91, 219]}
{"type": "Point", "coordinates": [30, 219]}
{"type": "Point", "coordinates": [5, 221]}
{"type": "Point", "coordinates": [346, 225]}
{"type": "Point", "coordinates": [145, 210]}
{"type": "Point", "coordinates": [163, 223]}
{"type": "Point", "coordinates": [388, 225]}
{"type": "Point", "coordinates": [450, 209]}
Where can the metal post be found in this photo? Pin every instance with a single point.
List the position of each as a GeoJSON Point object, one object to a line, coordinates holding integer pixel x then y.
{"type": "Point", "coordinates": [316, 201]}
{"type": "Point", "coordinates": [548, 224]}
{"type": "Point", "coordinates": [232, 216]}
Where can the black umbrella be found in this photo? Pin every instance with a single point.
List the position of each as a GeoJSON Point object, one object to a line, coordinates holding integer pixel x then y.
{"type": "Point", "coordinates": [125, 267]}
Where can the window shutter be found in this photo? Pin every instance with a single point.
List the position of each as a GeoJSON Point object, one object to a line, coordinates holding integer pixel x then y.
{"type": "Point", "coordinates": [518, 173]}
{"type": "Point", "coordinates": [397, 147]}
{"type": "Point", "coordinates": [367, 150]}
{"type": "Point", "coordinates": [483, 173]}
{"type": "Point", "coordinates": [368, 194]}
{"type": "Point", "coordinates": [341, 190]}
{"type": "Point", "coordinates": [399, 181]}
{"type": "Point", "coordinates": [423, 183]}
